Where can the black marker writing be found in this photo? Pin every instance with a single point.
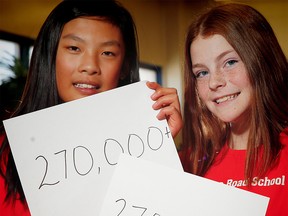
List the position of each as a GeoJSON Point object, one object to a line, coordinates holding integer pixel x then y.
{"type": "Point", "coordinates": [135, 146]}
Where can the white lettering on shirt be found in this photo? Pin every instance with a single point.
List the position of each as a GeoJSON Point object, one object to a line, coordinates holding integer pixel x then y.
{"type": "Point", "coordinates": [264, 182]}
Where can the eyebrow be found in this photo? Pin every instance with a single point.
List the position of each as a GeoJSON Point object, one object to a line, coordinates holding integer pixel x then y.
{"type": "Point", "coordinates": [105, 43]}
{"type": "Point", "coordinates": [111, 43]}
{"type": "Point", "coordinates": [196, 65]}
{"type": "Point", "coordinates": [217, 58]}
{"type": "Point", "coordinates": [73, 37]}
{"type": "Point", "coordinates": [224, 53]}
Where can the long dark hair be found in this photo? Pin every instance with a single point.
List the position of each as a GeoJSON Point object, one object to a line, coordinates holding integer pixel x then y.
{"type": "Point", "coordinates": [251, 36]}
{"type": "Point", "coordinates": [41, 91]}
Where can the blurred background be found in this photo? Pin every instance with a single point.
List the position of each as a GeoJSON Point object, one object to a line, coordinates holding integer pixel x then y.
{"type": "Point", "coordinates": [161, 26]}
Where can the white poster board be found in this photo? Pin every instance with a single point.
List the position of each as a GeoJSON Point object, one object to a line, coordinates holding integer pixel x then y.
{"type": "Point", "coordinates": [65, 155]}
{"type": "Point", "coordinates": [144, 188]}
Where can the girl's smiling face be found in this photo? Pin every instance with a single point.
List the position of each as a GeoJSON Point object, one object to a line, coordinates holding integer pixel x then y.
{"type": "Point", "coordinates": [89, 58]}
{"type": "Point", "coordinates": [221, 77]}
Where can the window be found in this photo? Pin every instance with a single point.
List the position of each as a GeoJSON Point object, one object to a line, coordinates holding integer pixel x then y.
{"type": "Point", "coordinates": [8, 50]}
{"type": "Point", "coordinates": [13, 49]}
{"type": "Point", "coordinates": [150, 73]}
{"type": "Point", "coordinates": [13, 46]}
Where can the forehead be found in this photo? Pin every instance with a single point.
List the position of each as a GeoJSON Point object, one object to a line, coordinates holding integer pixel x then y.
{"type": "Point", "coordinates": [203, 47]}
{"type": "Point", "coordinates": [92, 27]}
{"type": "Point", "coordinates": [209, 41]}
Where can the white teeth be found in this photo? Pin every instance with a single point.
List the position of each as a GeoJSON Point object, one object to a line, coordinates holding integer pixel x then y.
{"type": "Point", "coordinates": [82, 85]}
{"type": "Point", "coordinates": [226, 98]}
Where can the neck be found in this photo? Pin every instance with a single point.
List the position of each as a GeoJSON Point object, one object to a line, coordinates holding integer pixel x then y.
{"type": "Point", "coordinates": [239, 136]}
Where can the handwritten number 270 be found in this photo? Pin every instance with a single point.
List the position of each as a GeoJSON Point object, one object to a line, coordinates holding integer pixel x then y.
{"type": "Point", "coordinates": [83, 173]}
{"type": "Point", "coordinates": [143, 209]}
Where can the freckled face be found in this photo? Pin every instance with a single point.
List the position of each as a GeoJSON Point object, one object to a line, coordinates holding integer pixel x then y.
{"type": "Point", "coordinates": [222, 81]}
{"type": "Point", "coordinates": [89, 58]}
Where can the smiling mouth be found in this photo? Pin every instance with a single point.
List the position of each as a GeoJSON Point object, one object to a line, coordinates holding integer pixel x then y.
{"type": "Point", "coordinates": [226, 98]}
{"type": "Point", "coordinates": [85, 86]}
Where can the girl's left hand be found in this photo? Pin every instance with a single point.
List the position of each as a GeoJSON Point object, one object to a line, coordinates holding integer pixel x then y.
{"type": "Point", "coordinates": [166, 99]}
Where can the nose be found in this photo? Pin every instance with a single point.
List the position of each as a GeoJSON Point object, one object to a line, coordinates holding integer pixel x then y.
{"type": "Point", "coordinates": [216, 80]}
{"type": "Point", "coordinates": [89, 64]}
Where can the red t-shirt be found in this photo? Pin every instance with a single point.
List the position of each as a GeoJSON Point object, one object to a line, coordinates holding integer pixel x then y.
{"type": "Point", "coordinates": [274, 185]}
{"type": "Point", "coordinates": [9, 209]}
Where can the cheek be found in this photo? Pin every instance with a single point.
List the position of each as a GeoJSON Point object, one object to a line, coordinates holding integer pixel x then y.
{"type": "Point", "coordinates": [63, 65]}
{"type": "Point", "coordinates": [111, 73]}
{"type": "Point", "coordinates": [202, 90]}
{"type": "Point", "coordinates": [64, 72]}
{"type": "Point", "coordinates": [112, 79]}
{"type": "Point", "coordinates": [239, 78]}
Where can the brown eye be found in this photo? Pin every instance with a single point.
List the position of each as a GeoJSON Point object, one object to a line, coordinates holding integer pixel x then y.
{"type": "Point", "coordinates": [73, 48]}
{"type": "Point", "coordinates": [108, 53]}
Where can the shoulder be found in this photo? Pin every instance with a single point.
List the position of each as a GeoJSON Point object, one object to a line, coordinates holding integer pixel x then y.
{"type": "Point", "coordinates": [2, 136]}
{"type": "Point", "coordinates": [3, 153]}
{"type": "Point", "coordinates": [284, 137]}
